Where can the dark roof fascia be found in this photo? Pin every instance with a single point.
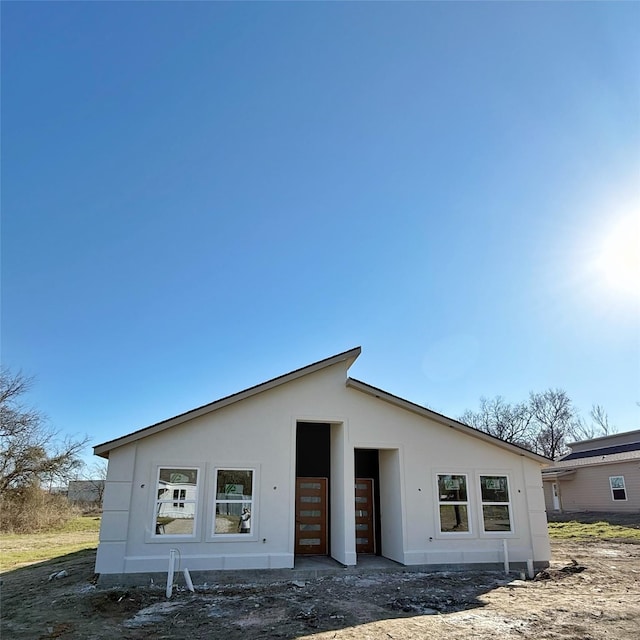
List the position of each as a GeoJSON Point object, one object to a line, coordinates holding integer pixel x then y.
{"type": "Point", "coordinates": [346, 356]}
{"type": "Point", "coordinates": [604, 451]}
{"type": "Point", "coordinates": [442, 419]}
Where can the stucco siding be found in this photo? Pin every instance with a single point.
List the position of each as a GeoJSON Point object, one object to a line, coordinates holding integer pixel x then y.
{"type": "Point", "coordinates": [548, 495]}
{"type": "Point", "coordinates": [116, 511]}
{"type": "Point", "coordinates": [259, 433]}
{"type": "Point", "coordinates": [392, 520]}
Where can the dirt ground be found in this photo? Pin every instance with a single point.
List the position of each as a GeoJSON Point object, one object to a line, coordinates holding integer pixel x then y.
{"type": "Point", "coordinates": [590, 592]}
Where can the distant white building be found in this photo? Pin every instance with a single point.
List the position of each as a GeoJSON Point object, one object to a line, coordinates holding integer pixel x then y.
{"type": "Point", "coordinates": [86, 490]}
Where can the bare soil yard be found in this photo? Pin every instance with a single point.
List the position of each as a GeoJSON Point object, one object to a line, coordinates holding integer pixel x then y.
{"type": "Point", "coordinates": [590, 592]}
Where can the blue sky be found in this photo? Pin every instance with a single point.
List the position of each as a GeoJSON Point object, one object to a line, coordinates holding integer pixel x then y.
{"type": "Point", "coordinates": [198, 197]}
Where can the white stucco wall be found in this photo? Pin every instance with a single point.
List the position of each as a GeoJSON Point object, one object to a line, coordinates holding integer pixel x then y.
{"type": "Point", "coordinates": [259, 433]}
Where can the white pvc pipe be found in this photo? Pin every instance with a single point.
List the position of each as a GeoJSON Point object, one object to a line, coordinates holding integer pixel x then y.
{"type": "Point", "coordinates": [530, 570]}
{"type": "Point", "coordinates": [172, 564]}
{"type": "Point", "coordinates": [187, 579]}
{"type": "Point", "coordinates": [506, 556]}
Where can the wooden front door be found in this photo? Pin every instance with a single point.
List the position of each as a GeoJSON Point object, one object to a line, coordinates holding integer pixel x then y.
{"type": "Point", "coordinates": [311, 516]}
{"type": "Point", "coordinates": [365, 538]}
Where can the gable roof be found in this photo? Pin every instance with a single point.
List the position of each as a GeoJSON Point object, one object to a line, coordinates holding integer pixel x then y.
{"type": "Point", "coordinates": [444, 420]}
{"type": "Point", "coordinates": [346, 356]}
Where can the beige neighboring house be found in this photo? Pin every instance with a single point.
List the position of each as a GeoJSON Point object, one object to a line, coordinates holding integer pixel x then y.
{"type": "Point", "coordinates": [601, 474]}
{"type": "Point", "coordinates": [316, 463]}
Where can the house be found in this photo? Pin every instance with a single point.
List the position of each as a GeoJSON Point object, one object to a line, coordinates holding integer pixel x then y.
{"type": "Point", "coordinates": [601, 474]}
{"type": "Point", "coordinates": [317, 463]}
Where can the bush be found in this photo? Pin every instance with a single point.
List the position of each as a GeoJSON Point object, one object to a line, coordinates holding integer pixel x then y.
{"type": "Point", "coordinates": [32, 510]}
{"type": "Point", "coordinates": [87, 508]}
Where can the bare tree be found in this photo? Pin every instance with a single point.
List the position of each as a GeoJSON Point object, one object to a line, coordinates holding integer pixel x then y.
{"type": "Point", "coordinates": [601, 420]}
{"type": "Point", "coordinates": [555, 419]}
{"type": "Point", "coordinates": [597, 428]}
{"type": "Point", "coordinates": [30, 449]}
{"type": "Point", "coordinates": [545, 423]}
{"type": "Point", "coordinates": [509, 422]}
{"type": "Point", "coordinates": [584, 431]}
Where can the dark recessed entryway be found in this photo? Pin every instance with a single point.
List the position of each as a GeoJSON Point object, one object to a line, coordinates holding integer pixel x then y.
{"type": "Point", "coordinates": [367, 501]}
{"type": "Point", "coordinates": [313, 466]}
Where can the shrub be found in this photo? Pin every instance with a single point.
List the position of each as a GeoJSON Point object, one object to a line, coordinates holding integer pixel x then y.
{"type": "Point", "coordinates": [29, 509]}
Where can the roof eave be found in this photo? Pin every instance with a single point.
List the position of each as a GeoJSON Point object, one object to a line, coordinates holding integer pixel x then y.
{"type": "Point", "coordinates": [449, 422]}
{"type": "Point", "coordinates": [349, 357]}
{"type": "Point", "coordinates": [586, 463]}
{"type": "Point", "coordinates": [554, 474]}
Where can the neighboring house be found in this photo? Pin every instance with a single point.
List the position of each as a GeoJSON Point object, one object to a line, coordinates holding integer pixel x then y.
{"type": "Point", "coordinates": [85, 490]}
{"type": "Point", "coordinates": [602, 474]}
{"type": "Point", "coordinates": [316, 463]}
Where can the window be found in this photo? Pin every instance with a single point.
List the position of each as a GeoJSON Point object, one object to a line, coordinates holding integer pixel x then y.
{"type": "Point", "coordinates": [453, 503]}
{"type": "Point", "coordinates": [177, 496]}
{"type": "Point", "coordinates": [496, 508]}
{"type": "Point", "coordinates": [234, 502]}
{"type": "Point", "coordinates": [618, 490]}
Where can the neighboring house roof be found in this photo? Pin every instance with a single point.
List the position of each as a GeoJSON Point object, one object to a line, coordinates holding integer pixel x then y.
{"type": "Point", "coordinates": [346, 356]}
{"type": "Point", "coordinates": [609, 440]}
{"type": "Point", "coordinates": [591, 461]}
{"type": "Point", "coordinates": [595, 458]}
{"type": "Point", "coordinates": [592, 453]}
{"type": "Point", "coordinates": [612, 448]}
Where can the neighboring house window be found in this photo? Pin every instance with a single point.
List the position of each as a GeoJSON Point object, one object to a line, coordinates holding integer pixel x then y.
{"type": "Point", "coordinates": [177, 497]}
{"type": "Point", "coordinates": [453, 503]}
{"type": "Point", "coordinates": [179, 494]}
{"type": "Point", "coordinates": [618, 490]}
{"type": "Point", "coordinates": [496, 507]}
{"type": "Point", "coordinates": [234, 501]}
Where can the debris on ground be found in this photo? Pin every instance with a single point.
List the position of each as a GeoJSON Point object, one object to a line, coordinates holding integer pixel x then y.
{"type": "Point", "coordinates": [583, 594]}
{"type": "Point", "coordinates": [556, 574]}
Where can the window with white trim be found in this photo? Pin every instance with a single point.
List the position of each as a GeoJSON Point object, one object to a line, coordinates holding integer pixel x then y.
{"type": "Point", "coordinates": [453, 503]}
{"type": "Point", "coordinates": [618, 489]}
{"type": "Point", "coordinates": [176, 501]}
{"type": "Point", "coordinates": [496, 504]}
{"type": "Point", "coordinates": [234, 500]}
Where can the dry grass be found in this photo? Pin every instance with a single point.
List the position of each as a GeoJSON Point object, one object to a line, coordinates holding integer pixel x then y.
{"type": "Point", "coordinates": [592, 530]}
{"type": "Point", "coordinates": [29, 509]}
{"type": "Point", "coordinates": [19, 550]}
